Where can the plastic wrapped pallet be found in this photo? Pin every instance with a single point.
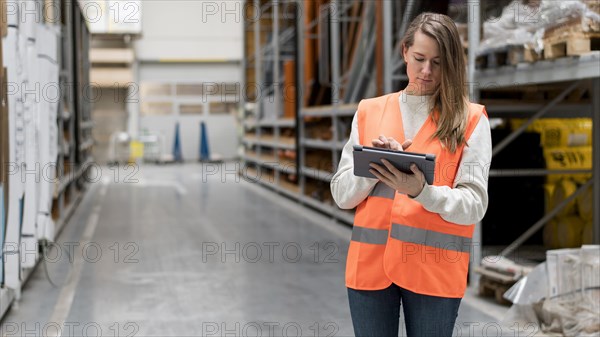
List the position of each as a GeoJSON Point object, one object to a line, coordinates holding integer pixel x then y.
{"type": "Point", "coordinates": [572, 306]}
{"type": "Point", "coordinates": [517, 25]}
{"type": "Point", "coordinates": [520, 24]}
{"type": "Point", "coordinates": [560, 295]}
{"type": "Point", "coordinates": [555, 13]}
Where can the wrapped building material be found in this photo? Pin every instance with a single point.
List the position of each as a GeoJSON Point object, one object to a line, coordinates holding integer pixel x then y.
{"type": "Point", "coordinates": [524, 25]}
{"type": "Point", "coordinates": [563, 294]}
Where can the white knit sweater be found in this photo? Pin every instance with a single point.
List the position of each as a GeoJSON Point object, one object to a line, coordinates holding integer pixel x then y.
{"type": "Point", "coordinates": [465, 203]}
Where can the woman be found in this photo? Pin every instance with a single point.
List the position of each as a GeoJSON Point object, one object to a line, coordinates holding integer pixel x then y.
{"type": "Point", "coordinates": [411, 241]}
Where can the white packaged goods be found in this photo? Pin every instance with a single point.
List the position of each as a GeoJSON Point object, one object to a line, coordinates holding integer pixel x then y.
{"type": "Point", "coordinates": [12, 13]}
{"type": "Point", "coordinates": [30, 15]}
{"type": "Point", "coordinates": [13, 63]}
{"type": "Point", "coordinates": [573, 306]}
{"type": "Point", "coordinates": [47, 127]}
{"type": "Point", "coordinates": [563, 276]}
{"type": "Point", "coordinates": [32, 164]}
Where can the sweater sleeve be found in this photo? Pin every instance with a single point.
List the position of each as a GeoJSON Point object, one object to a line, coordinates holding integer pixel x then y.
{"type": "Point", "coordinates": [348, 190]}
{"type": "Point", "coordinates": [467, 201]}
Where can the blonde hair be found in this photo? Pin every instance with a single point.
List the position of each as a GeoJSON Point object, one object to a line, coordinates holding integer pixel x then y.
{"type": "Point", "coordinates": [450, 98]}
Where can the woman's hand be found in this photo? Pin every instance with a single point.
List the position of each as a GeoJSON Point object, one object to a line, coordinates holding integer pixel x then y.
{"type": "Point", "coordinates": [390, 143]}
{"type": "Point", "coordinates": [410, 184]}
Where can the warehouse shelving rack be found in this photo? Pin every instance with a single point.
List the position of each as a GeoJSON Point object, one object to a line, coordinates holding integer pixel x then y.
{"type": "Point", "coordinates": [569, 70]}
{"type": "Point", "coordinates": [343, 102]}
{"type": "Point", "coordinates": [334, 112]}
{"type": "Point", "coordinates": [264, 165]}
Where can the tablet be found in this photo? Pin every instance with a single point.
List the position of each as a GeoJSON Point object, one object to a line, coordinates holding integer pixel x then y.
{"type": "Point", "coordinates": [364, 155]}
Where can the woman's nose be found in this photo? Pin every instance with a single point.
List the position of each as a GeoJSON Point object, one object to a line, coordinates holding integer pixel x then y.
{"type": "Point", "coordinates": [426, 68]}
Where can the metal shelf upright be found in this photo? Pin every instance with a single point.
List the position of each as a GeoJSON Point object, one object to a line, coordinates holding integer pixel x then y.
{"type": "Point", "coordinates": [269, 55]}
{"type": "Point", "coordinates": [338, 11]}
{"type": "Point", "coordinates": [74, 113]}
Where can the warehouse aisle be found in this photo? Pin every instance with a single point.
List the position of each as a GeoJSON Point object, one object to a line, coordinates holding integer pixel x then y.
{"type": "Point", "coordinates": [192, 250]}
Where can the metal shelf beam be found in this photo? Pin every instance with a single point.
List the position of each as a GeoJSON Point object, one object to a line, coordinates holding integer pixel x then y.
{"type": "Point", "coordinates": [282, 123]}
{"type": "Point", "coordinates": [345, 110]}
{"type": "Point", "coordinates": [317, 174]}
{"type": "Point", "coordinates": [273, 144]}
{"type": "Point", "coordinates": [322, 144]}
{"type": "Point", "coordinates": [546, 71]}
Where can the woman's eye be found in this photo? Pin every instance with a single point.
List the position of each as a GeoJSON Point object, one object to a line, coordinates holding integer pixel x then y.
{"type": "Point", "coordinates": [436, 63]}
{"type": "Point", "coordinates": [420, 60]}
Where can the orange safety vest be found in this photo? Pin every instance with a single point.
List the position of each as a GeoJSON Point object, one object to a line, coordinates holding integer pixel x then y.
{"type": "Point", "coordinates": [395, 239]}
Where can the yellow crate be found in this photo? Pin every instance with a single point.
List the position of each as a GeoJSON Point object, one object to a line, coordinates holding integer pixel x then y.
{"type": "Point", "coordinates": [562, 190]}
{"type": "Point", "coordinates": [136, 150]}
{"type": "Point", "coordinates": [585, 206]}
{"type": "Point", "coordinates": [560, 132]}
{"type": "Point", "coordinates": [564, 232]}
{"type": "Point", "coordinates": [569, 158]}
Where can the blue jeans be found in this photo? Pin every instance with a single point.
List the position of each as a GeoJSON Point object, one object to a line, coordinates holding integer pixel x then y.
{"type": "Point", "coordinates": [377, 313]}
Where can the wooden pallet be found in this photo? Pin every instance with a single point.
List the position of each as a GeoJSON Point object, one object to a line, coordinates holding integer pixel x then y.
{"type": "Point", "coordinates": [507, 55]}
{"type": "Point", "coordinates": [494, 284]}
{"type": "Point", "coordinates": [519, 54]}
{"type": "Point", "coordinates": [575, 37]}
{"type": "Point", "coordinates": [492, 59]}
{"type": "Point", "coordinates": [491, 288]}
{"type": "Point", "coordinates": [572, 45]}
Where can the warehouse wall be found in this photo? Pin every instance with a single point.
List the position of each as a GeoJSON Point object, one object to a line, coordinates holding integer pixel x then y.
{"type": "Point", "coordinates": [192, 42]}
{"type": "Point", "coordinates": [221, 128]}
{"type": "Point", "coordinates": [191, 30]}
{"type": "Point", "coordinates": [109, 115]}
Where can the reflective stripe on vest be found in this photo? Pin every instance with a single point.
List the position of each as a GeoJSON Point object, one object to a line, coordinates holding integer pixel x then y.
{"type": "Point", "coordinates": [369, 235]}
{"type": "Point", "coordinates": [384, 191]}
{"type": "Point", "coordinates": [430, 238]}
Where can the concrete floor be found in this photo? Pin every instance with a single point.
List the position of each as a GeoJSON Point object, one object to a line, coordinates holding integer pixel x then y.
{"type": "Point", "coordinates": [173, 251]}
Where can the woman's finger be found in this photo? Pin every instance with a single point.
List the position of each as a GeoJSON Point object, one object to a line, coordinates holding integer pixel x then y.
{"type": "Point", "coordinates": [384, 140]}
{"type": "Point", "coordinates": [391, 168]}
{"type": "Point", "coordinates": [394, 145]}
{"type": "Point", "coordinates": [382, 171]}
{"type": "Point", "coordinates": [382, 178]}
{"type": "Point", "coordinates": [377, 143]}
{"type": "Point", "coordinates": [417, 172]}
{"type": "Point", "coordinates": [415, 169]}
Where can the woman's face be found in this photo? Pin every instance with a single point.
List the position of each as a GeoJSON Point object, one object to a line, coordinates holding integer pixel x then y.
{"type": "Point", "coordinates": [422, 65]}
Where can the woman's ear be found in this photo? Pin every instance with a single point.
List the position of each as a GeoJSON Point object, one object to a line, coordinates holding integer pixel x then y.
{"type": "Point", "coordinates": [404, 53]}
